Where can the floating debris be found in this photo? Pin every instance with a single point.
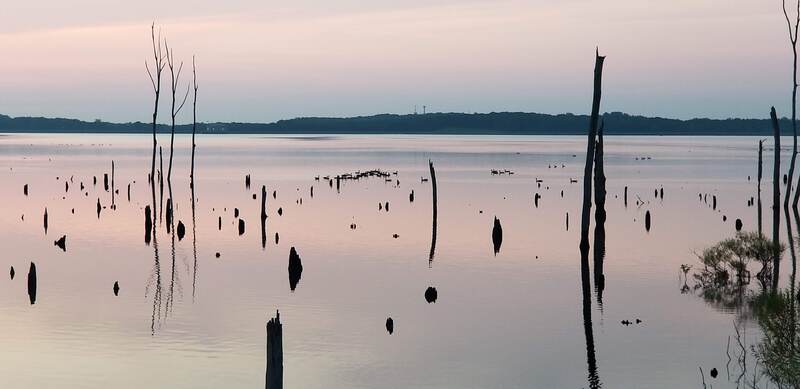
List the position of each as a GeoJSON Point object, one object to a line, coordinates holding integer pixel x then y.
{"type": "Point", "coordinates": [496, 172]}
{"type": "Point", "coordinates": [357, 175]}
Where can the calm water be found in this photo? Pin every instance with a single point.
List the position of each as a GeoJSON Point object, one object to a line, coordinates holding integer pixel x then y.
{"type": "Point", "coordinates": [511, 320]}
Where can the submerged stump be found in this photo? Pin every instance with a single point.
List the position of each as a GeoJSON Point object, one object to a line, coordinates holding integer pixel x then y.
{"type": "Point", "coordinates": [32, 283]}
{"type": "Point", "coordinates": [274, 373]}
{"type": "Point", "coordinates": [431, 295]}
{"type": "Point", "coordinates": [497, 235]}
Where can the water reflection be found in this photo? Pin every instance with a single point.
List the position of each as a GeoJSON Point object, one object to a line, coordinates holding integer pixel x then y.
{"type": "Point", "coordinates": [194, 232]}
{"type": "Point", "coordinates": [724, 284]}
{"type": "Point", "coordinates": [600, 218]}
{"type": "Point", "coordinates": [517, 289]}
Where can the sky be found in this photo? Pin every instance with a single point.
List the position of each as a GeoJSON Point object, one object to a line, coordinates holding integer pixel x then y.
{"type": "Point", "coordinates": [266, 60]}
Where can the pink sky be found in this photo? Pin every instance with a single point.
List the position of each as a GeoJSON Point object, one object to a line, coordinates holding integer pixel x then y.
{"type": "Point", "coordinates": [268, 60]}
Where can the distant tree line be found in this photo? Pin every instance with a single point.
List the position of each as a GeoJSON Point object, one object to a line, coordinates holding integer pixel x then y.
{"type": "Point", "coordinates": [511, 123]}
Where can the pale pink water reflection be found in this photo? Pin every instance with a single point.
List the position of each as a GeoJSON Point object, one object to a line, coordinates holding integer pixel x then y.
{"type": "Point", "coordinates": [511, 320]}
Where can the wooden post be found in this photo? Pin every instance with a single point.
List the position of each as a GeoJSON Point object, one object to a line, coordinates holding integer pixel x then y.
{"type": "Point", "coordinates": [274, 374]}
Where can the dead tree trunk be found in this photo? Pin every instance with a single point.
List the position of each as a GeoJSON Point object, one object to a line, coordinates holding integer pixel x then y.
{"type": "Point", "coordinates": [161, 180]}
{"type": "Point", "coordinates": [158, 67]}
{"type": "Point", "coordinates": [760, 173]}
{"type": "Point", "coordinates": [590, 146]}
{"type": "Point", "coordinates": [263, 216]}
{"type": "Point", "coordinates": [175, 111]}
{"type": "Point", "coordinates": [793, 41]}
{"type": "Point", "coordinates": [435, 211]}
{"type": "Point", "coordinates": [776, 197]}
{"type": "Point", "coordinates": [113, 197]}
{"type": "Point", "coordinates": [194, 119]}
{"type": "Point", "coordinates": [274, 373]}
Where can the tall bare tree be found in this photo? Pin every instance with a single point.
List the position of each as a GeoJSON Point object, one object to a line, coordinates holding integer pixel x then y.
{"type": "Point", "coordinates": [175, 80]}
{"type": "Point", "coordinates": [194, 118]}
{"type": "Point", "coordinates": [158, 67]}
{"type": "Point", "coordinates": [793, 41]}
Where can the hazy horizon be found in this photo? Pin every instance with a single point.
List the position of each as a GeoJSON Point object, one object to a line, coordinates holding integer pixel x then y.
{"type": "Point", "coordinates": [266, 61]}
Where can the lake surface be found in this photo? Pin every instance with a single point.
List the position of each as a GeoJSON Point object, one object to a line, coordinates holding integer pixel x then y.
{"type": "Point", "coordinates": [187, 319]}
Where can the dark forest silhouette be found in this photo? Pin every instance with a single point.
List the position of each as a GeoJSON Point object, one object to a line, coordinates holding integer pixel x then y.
{"type": "Point", "coordinates": [511, 123]}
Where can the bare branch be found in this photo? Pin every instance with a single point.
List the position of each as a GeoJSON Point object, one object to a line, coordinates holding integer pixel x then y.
{"type": "Point", "coordinates": [792, 35]}
{"type": "Point", "coordinates": [194, 75]}
{"type": "Point", "coordinates": [178, 76]}
{"type": "Point", "coordinates": [152, 81]}
{"type": "Point", "coordinates": [183, 102]}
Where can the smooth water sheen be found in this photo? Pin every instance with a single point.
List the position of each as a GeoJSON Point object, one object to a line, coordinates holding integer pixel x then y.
{"type": "Point", "coordinates": [511, 320]}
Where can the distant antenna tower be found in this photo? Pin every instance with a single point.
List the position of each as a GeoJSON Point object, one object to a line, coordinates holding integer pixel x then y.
{"type": "Point", "coordinates": [415, 109]}
{"type": "Point", "coordinates": [424, 109]}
